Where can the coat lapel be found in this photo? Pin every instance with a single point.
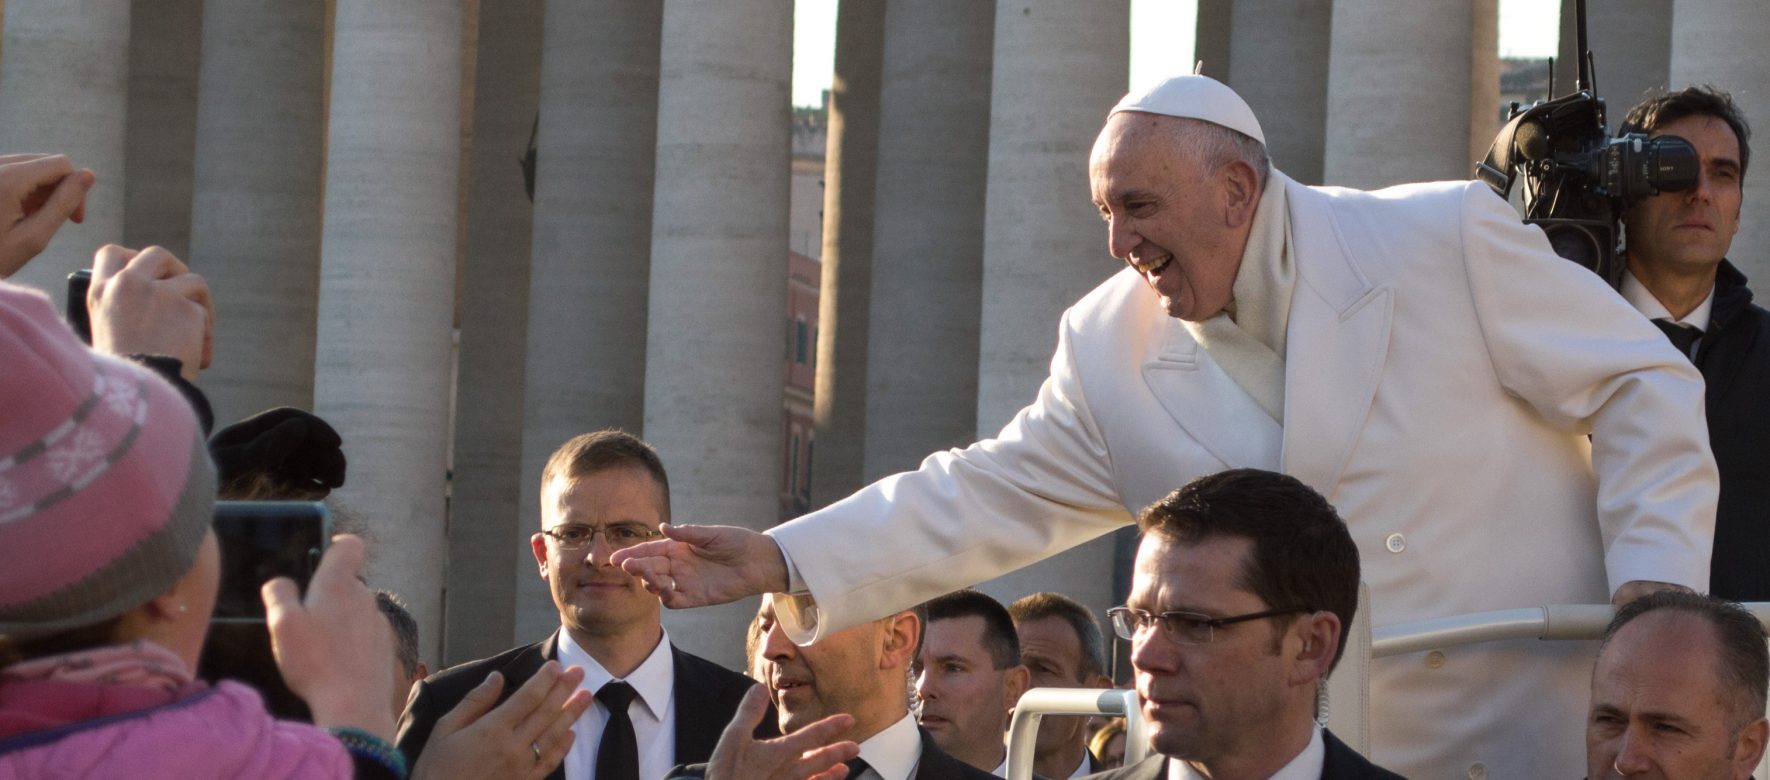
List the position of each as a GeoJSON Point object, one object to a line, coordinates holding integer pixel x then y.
{"type": "Point", "coordinates": [1337, 342]}
{"type": "Point", "coordinates": [696, 734]}
{"type": "Point", "coordinates": [1218, 414]}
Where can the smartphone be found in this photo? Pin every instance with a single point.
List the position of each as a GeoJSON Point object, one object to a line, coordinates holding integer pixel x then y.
{"type": "Point", "coordinates": [78, 283]}
{"type": "Point", "coordinates": [262, 540]}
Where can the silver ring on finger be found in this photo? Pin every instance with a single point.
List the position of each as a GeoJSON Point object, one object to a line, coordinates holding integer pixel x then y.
{"type": "Point", "coordinates": [536, 746]}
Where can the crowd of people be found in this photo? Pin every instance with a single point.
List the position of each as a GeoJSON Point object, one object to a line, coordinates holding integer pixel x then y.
{"type": "Point", "coordinates": [1404, 389]}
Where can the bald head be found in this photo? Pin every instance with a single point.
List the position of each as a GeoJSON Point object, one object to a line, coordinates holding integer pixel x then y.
{"type": "Point", "coordinates": [1678, 691]}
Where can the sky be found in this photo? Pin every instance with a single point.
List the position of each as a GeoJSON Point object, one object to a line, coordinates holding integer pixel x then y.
{"type": "Point", "coordinates": [1161, 39]}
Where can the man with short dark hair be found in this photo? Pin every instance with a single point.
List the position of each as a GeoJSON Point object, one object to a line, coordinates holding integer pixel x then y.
{"type": "Point", "coordinates": [1679, 277]}
{"type": "Point", "coordinates": [1244, 585]}
{"type": "Point", "coordinates": [657, 706]}
{"type": "Point", "coordinates": [408, 669]}
{"type": "Point", "coordinates": [1062, 647]}
{"type": "Point", "coordinates": [1678, 691]}
{"type": "Point", "coordinates": [862, 671]}
{"type": "Point", "coordinates": [969, 676]}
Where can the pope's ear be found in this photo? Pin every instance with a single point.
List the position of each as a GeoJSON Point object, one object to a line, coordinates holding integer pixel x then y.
{"type": "Point", "coordinates": [1241, 192]}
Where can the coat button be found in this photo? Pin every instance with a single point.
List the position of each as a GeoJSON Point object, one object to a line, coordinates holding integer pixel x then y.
{"type": "Point", "coordinates": [1478, 771]}
{"type": "Point", "coordinates": [1396, 543]}
{"type": "Point", "coordinates": [1435, 659]}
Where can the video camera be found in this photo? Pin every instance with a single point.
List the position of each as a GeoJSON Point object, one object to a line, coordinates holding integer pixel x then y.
{"type": "Point", "coordinates": [1579, 179]}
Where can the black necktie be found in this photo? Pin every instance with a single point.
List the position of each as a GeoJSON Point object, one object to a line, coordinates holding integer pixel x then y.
{"type": "Point", "coordinates": [856, 766]}
{"type": "Point", "coordinates": [1683, 336]}
{"type": "Point", "coordinates": [617, 758]}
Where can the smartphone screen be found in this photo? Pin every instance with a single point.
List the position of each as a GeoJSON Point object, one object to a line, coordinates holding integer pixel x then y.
{"type": "Point", "coordinates": [262, 540]}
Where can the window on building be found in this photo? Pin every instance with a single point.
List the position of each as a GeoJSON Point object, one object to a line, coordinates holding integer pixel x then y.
{"type": "Point", "coordinates": [799, 353]}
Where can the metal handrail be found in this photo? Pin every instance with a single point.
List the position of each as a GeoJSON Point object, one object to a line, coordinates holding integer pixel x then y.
{"type": "Point", "coordinates": [1023, 730]}
{"type": "Point", "coordinates": [1551, 622]}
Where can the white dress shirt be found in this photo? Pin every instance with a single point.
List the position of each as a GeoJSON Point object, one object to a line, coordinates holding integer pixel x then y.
{"type": "Point", "coordinates": [892, 754]}
{"type": "Point", "coordinates": [653, 711]}
{"type": "Point", "coordinates": [1642, 299]}
{"type": "Point", "coordinates": [1305, 766]}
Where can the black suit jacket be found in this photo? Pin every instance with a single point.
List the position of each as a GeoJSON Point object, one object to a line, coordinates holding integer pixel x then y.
{"type": "Point", "coordinates": [1340, 763]}
{"type": "Point", "coordinates": [707, 696]}
{"type": "Point", "coordinates": [934, 764]}
{"type": "Point", "coordinates": [1734, 357]}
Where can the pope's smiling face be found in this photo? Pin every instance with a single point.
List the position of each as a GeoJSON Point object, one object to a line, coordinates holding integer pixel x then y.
{"type": "Point", "coordinates": [1181, 224]}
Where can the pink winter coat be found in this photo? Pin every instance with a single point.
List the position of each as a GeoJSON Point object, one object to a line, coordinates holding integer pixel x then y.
{"type": "Point", "coordinates": [52, 729]}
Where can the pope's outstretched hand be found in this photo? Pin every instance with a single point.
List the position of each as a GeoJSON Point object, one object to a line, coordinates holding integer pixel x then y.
{"type": "Point", "coordinates": [698, 565]}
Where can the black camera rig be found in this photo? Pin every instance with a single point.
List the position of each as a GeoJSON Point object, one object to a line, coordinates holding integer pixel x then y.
{"type": "Point", "coordinates": [1577, 178]}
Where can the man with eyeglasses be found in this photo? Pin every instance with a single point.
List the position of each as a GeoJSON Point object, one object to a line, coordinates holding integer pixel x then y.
{"type": "Point", "coordinates": [656, 706]}
{"type": "Point", "coordinates": [1244, 584]}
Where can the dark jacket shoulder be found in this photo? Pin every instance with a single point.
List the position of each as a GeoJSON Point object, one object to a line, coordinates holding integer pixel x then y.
{"type": "Point", "coordinates": [936, 764]}
{"type": "Point", "coordinates": [933, 764]}
{"type": "Point", "coordinates": [1734, 356]}
{"type": "Point", "coordinates": [1339, 762]}
{"type": "Point", "coordinates": [707, 696]}
{"type": "Point", "coordinates": [434, 696]}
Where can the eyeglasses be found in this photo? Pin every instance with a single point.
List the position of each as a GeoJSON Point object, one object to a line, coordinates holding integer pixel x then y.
{"type": "Point", "coordinates": [1187, 628]}
{"type": "Point", "coordinates": [618, 536]}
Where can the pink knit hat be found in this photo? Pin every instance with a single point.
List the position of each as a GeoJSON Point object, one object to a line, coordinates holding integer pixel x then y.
{"type": "Point", "coordinates": [106, 489]}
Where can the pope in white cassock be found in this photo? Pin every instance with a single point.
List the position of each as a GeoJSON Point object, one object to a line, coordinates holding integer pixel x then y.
{"type": "Point", "coordinates": [1416, 354]}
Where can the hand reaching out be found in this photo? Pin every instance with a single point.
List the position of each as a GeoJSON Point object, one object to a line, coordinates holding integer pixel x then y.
{"type": "Point", "coordinates": [698, 565]}
{"type": "Point", "coordinates": [525, 737]}
{"type": "Point", "coordinates": [801, 755]}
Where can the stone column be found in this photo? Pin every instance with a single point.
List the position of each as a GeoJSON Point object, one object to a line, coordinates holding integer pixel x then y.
{"type": "Point", "coordinates": [1212, 40]}
{"type": "Point", "coordinates": [592, 237]}
{"type": "Point", "coordinates": [255, 217]}
{"type": "Point", "coordinates": [1401, 83]}
{"type": "Point", "coordinates": [934, 117]}
{"type": "Point", "coordinates": [1632, 43]}
{"type": "Point", "coordinates": [1278, 63]}
{"type": "Point", "coordinates": [1720, 43]}
{"type": "Point", "coordinates": [387, 281]}
{"type": "Point", "coordinates": [161, 137]}
{"type": "Point", "coordinates": [713, 361]}
{"type": "Point", "coordinates": [851, 164]}
{"type": "Point", "coordinates": [1059, 67]}
{"type": "Point", "coordinates": [64, 82]}
{"type": "Point", "coordinates": [484, 496]}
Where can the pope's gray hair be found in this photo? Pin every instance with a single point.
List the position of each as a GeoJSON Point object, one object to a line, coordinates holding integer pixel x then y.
{"type": "Point", "coordinates": [1217, 146]}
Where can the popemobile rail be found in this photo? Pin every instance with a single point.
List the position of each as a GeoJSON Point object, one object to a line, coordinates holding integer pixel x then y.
{"type": "Point", "coordinates": [1348, 692]}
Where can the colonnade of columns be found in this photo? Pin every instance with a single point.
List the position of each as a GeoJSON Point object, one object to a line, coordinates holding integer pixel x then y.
{"type": "Point", "coordinates": [308, 156]}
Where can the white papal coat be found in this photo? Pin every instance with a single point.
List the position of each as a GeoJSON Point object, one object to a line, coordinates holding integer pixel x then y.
{"type": "Point", "coordinates": [1443, 370]}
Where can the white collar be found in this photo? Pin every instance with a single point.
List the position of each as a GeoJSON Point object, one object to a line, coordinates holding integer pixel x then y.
{"type": "Point", "coordinates": [1642, 299]}
{"type": "Point", "coordinates": [1082, 769]}
{"type": "Point", "coordinates": [1304, 766]}
{"type": "Point", "coordinates": [654, 680]}
{"type": "Point", "coordinates": [894, 752]}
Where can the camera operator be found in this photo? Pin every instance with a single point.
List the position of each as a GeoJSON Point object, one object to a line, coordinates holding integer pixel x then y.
{"type": "Point", "coordinates": [1679, 277]}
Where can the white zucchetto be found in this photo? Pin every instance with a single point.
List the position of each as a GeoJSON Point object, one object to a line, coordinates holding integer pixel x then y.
{"type": "Point", "coordinates": [1196, 97]}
